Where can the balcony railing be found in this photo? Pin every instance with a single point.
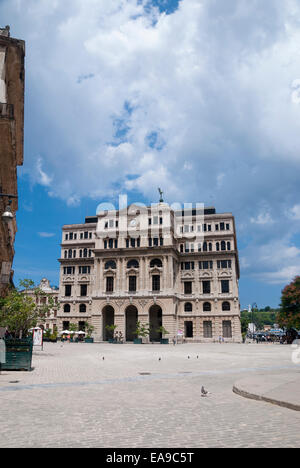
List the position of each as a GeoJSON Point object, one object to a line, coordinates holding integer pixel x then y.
{"type": "Point", "coordinates": [6, 111]}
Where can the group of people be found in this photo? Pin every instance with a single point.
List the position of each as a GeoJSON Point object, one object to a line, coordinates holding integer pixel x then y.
{"type": "Point", "coordinates": [118, 337]}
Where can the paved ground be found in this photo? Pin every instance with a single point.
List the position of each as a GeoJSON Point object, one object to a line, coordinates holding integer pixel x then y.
{"type": "Point", "coordinates": [74, 398]}
{"type": "Point", "coordinates": [282, 389]}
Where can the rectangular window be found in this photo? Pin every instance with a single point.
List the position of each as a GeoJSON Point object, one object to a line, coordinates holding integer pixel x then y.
{"type": "Point", "coordinates": [227, 329]}
{"type": "Point", "coordinates": [83, 290]}
{"type": "Point", "coordinates": [227, 227]}
{"type": "Point", "coordinates": [155, 283]}
{"type": "Point", "coordinates": [155, 241]}
{"type": "Point", "coordinates": [86, 235]}
{"type": "Point", "coordinates": [222, 227]}
{"type": "Point", "coordinates": [69, 270]}
{"type": "Point", "coordinates": [207, 329]}
{"type": "Point", "coordinates": [83, 270]}
{"type": "Point", "coordinates": [68, 290]}
{"type": "Point", "coordinates": [160, 220]}
{"type": "Point", "coordinates": [188, 329]}
{"type": "Point", "coordinates": [109, 284]}
{"type": "Point", "coordinates": [188, 287]}
{"type": "Point", "coordinates": [66, 237]}
{"type": "Point", "coordinates": [206, 265]}
{"type": "Point", "coordinates": [225, 286]}
{"type": "Point", "coordinates": [132, 283]}
{"type": "Point", "coordinates": [206, 287]}
{"type": "Point", "coordinates": [71, 236]}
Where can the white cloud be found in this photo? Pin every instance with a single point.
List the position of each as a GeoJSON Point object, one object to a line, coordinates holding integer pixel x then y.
{"type": "Point", "coordinates": [295, 212]}
{"type": "Point", "coordinates": [275, 262]}
{"type": "Point", "coordinates": [42, 177]}
{"type": "Point", "coordinates": [46, 234]}
{"type": "Point", "coordinates": [202, 102]}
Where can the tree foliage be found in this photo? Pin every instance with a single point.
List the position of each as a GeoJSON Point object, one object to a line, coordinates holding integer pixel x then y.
{"type": "Point", "coordinates": [289, 315]}
{"type": "Point", "coordinates": [19, 312]}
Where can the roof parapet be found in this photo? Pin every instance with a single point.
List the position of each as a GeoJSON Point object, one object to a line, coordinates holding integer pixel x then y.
{"type": "Point", "coordinates": [5, 31]}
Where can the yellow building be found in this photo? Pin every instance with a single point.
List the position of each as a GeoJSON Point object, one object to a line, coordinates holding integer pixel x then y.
{"type": "Point", "coordinates": [156, 265]}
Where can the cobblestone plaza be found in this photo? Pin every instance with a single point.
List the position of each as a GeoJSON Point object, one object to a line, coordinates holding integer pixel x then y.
{"type": "Point", "coordinates": [145, 396]}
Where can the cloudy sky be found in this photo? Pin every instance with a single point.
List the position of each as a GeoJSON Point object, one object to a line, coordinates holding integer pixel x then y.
{"type": "Point", "coordinates": [200, 97]}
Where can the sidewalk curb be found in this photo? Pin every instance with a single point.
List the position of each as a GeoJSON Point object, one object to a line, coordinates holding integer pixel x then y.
{"type": "Point", "coordinates": [253, 396]}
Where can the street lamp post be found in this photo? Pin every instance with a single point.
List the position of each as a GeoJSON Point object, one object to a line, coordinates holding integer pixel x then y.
{"type": "Point", "coordinates": [8, 216]}
{"type": "Point", "coordinates": [253, 305]}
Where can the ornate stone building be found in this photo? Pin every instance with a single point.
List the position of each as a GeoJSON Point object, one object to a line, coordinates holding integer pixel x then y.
{"type": "Point", "coordinates": [12, 52]}
{"type": "Point", "coordinates": [50, 321]}
{"type": "Point", "coordinates": [158, 265]}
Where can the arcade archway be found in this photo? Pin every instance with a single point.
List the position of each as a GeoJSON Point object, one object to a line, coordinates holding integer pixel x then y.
{"type": "Point", "coordinates": [155, 321]}
{"type": "Point", "coordinates": [108, 314]}
{"type": "Point", "coordinates": [131, 317]}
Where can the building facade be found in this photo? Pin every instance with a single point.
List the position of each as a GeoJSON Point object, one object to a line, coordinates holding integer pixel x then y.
{"type": "Point", "coordinates": [12, 53]}
{"type": "Point", "coordinates": [156, 265]}
{"type": "Point", "coordinates": [50, 321]}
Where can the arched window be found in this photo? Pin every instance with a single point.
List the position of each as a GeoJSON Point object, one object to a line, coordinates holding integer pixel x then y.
{"type": "Point", "coordinates": [67, 308]}
{"type": "Point", "coordinates": [223, 245]}
{"type": "Point", "coordinates": [82, 308]}
{"type": "Point", "coordinates": [156, 262]}
{"type": "Point", "coordinates": [207, 307]}
{"type": "Point", "coordinates": [132, 264]}
{"type": "Point", "coordinates": [70, 253]}
{"type": "Point", "coordinates": [226, 306]}
{"type": "Point", "coordinates": [210, 247]}
{"type": "Point", "coordinates": [188, 307]}
{"type": "Point", "coordinates": [218, 246]}
{"type": "Point", "coordinates": [228, 246]}
{"type": "Point", "coordinates": [66, 254]}
{"type": "Point", "coordinates": [204, 246]}
{"type": "Point", "coordinates": [110, 264]}
{"type": "Point", "coordinates": [85, 253]}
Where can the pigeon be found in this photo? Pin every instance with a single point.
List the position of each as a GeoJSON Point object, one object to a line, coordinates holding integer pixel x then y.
{"type": "Point", "coordinates": [159, 359]}
{"type": "Point", "coordinates": [204, 392]}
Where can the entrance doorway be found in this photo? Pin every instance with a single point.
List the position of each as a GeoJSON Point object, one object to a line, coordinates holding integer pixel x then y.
{"type": "Point", "coordinates": [108, 319]}
{"type": "Point", "coordinates": [155, 321]}
{"type": "Point", "coordinates": [188, 328]}
{"type": "Point", "coordinates": [131, 317]}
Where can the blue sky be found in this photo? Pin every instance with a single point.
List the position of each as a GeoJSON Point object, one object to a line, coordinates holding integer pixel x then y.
{"type": "Point", "coordinates": [200, 97]}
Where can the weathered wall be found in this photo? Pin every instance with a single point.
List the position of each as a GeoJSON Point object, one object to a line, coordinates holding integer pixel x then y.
{"type": "Point", "coordinates": [12, 53]}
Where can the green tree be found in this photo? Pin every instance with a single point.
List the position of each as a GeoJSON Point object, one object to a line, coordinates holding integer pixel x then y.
{"type": "Point", "coordinates": [289, 314]}
{"type": "Point", "coordinates": [142, 330]}
{"type": "Point", "coordinates": [19, 312]}
{"type": "Point", "coordinates": [89, 329]}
